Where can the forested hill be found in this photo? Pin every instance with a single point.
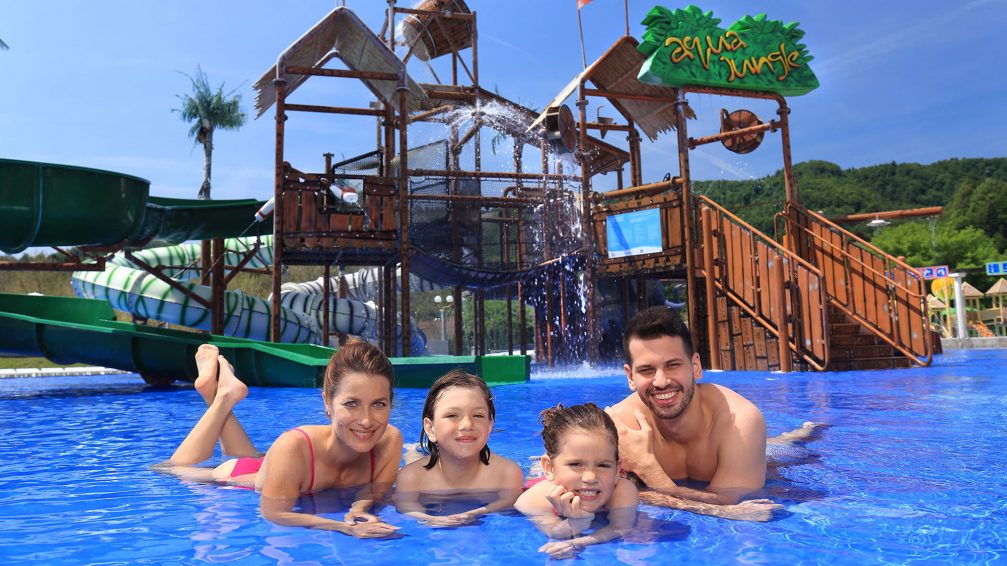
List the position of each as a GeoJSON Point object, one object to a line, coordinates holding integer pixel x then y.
{"type": "Point", "coordinates": [827, 187]}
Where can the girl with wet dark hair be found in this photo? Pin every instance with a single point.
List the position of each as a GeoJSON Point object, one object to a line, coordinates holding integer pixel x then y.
{"type": "Point", "coordinates": [581, 478]}
{"type": "Point", "coordinates": [458, 416]}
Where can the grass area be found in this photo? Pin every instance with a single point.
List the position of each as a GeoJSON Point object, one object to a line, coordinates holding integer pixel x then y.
{"type": "Point", "coordinates": [14, 363]}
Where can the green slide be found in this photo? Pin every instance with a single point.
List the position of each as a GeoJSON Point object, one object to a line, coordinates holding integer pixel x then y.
{"type": "Point", "coordinates": [43, 204]}
{"type": "Point", "coordinates": [69, 330]}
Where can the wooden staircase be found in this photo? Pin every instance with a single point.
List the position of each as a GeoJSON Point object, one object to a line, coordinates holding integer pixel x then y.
{"type": "Point", "coordinates": [877, 310]}
{"type": "Point", "coordinates": [853, 347]}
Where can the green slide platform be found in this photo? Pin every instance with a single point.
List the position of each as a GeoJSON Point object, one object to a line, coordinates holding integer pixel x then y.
{"type": "Point", "coordinates": [44, 204]}
{"type": "Point", "coordinates": [71, 330]}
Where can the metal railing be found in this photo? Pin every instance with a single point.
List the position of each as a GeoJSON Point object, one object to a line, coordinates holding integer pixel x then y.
{"type": "Point", "coordinates": [883, 294]}
{"type": "Point", "coordinates": [781, 291]}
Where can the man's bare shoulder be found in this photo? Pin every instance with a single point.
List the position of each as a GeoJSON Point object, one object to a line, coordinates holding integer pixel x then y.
{"type": "Point", "coordinates": [730, 407]}
{"type": "Point", "coordinates": [625, 411]}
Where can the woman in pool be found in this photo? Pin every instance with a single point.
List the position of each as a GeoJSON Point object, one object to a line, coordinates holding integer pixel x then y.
{"type": "Point", "coordinates": [458, 416]}
{"type": "Point", "coordinates": [358, 447]}
{"type": "Point", "coordinates": [581, 478]}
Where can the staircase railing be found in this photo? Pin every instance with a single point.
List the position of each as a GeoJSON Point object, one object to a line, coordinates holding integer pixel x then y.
{"type": "Point", "coordinates": [744, 264]}
{"type": "Point", "coordinates": [883, 294]}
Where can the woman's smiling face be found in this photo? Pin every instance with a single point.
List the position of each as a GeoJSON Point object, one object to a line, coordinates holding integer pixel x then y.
{"type": "Point", "coordinates": [360, 410]}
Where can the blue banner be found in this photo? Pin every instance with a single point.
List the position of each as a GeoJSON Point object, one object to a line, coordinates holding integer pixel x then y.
{"type": "Point", "coordinates": [634, 233]}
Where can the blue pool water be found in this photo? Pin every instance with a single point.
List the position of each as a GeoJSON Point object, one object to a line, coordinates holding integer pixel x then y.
{"type": "Point", "coordinates": [911, 471]}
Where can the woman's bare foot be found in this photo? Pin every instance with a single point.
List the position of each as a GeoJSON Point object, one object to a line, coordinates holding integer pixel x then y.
{"type": "Point", "coordinates": [230, 389]}
{"type": "Point", "coordinates": [206, 366]}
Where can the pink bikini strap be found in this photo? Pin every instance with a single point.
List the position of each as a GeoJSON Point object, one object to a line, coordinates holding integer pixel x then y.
{"type": "Point", "coordinates": [311, 453]}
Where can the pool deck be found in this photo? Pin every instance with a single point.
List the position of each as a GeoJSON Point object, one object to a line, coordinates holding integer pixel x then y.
{"type": "Point", "coordinates": [996, 342]}
{"type": "Point", "coordinates": [68, 371]}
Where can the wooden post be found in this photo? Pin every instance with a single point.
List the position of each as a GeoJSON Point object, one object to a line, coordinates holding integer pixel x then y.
{"type": "Point", "coordinates": [278, 227]}
{"type": "Point", "coordinates": [688, 219]}
{"type": "Point", "coordinates": [218, 287]}
{"type": "Point", "coordinates": [779, 282]}
{"type": "Point", "coordinates": [405, 317]}
{"type": "Point", "coordinates": [711, 292]}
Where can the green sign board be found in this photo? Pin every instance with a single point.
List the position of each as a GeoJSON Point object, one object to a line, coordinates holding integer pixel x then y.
{"type": "Point", "coordinates": [687, 47]}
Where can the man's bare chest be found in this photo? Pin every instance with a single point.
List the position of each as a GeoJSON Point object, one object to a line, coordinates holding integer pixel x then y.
{"type": "Point", "coordinates": [697, 461]}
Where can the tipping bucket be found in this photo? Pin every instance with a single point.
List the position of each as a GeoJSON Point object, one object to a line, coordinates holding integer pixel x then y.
{"type": "Point", "coordinates": [431, 35]}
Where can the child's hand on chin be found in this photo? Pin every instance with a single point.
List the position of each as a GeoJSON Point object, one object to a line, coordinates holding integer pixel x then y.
{"type": "Point", "coordinates": [561, 549]}
{"type": "Point", "coordinates": [567, 503]}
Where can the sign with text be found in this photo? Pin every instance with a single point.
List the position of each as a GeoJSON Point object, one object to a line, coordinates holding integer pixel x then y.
{"type": "Point", "coordinates": [934, 272]}
{"type": "Point", "coordinates": [687, 46]}
{"type": "Point", "coordinates": [996, 268]}
{"type": "Point", "coordinates": [634, 233]}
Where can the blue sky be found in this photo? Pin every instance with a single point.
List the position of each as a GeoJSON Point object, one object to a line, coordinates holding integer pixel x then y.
{"type": "Point", "coordinates": [94, 83]}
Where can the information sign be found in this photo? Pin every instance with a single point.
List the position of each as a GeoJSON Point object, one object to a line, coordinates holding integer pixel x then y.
{"type": "Point", "coordinates": [934, 272]}
{"type": "Point", "coordinates": [634, 233]}
{"type": "Point", "coordinates": [996, 268]}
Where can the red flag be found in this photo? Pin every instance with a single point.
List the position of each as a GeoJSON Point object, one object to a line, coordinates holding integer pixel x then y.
{"type": "Point", "coordinates": [582, 3]}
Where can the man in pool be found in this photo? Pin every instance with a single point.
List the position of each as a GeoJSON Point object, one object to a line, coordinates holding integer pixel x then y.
{"type": "Point", "coordinates": [672, 428]}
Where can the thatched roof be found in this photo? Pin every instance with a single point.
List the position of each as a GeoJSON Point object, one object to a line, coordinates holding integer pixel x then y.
{"type": "Point", "coordinates": [935, 303]}
{"type": "Point", "coordinates": [998, 288]}
{"type": "Point", "coordinates": [343, 35]}
{"type": "Point", "coordinates": [971, 292]}
{"type": "Point", "coordinates": [616, 71]}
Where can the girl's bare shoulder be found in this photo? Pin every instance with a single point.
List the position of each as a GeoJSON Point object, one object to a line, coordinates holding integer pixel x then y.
{"type": "Point", "coordinates": [625, 495]}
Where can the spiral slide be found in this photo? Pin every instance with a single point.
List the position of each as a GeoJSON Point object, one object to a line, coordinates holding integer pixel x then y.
{"type": "Point", "coordinates": [145, 296]}
{"type": "Point", "coordinates": [57, 205]}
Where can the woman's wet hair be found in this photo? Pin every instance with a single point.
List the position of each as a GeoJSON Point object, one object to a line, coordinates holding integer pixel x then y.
{"type": "Point", "coordinates": [454, 378]}
{"type": "Point", "coordinates": [559, 421]}
{"type": "Point", "coordinates": [360, 357]}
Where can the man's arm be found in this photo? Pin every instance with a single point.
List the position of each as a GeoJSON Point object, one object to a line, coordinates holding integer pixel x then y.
{"type": "Point", "coordinates": [741, 467]}
{"type": "Point", "coordinates": [752, 510]}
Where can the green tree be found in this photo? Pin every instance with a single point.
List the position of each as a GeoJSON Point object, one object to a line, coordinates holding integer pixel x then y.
{"type": "Point", "coordinates": [987, 209]}
{"type": "Point", "coordinates": [208, 110]}
{"type": "Point", "coordinates": [958, 247]}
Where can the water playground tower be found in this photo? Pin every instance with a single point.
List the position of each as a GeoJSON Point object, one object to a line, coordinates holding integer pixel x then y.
{"type": "Point", "coordinates": [428, 214]}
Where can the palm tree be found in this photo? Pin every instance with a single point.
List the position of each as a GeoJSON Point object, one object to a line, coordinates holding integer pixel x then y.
{"type": "Point", "coordinates": [208, 110]}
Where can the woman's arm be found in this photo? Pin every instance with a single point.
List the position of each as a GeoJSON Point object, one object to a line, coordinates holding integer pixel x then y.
{"type": "Point", "coordinates": [286, 466]}
{"type": "Point", "coordinates": [387, 456]}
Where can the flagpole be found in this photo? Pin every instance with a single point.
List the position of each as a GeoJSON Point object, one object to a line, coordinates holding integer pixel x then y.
{"type": "Point", "coordinates": [583, 54]}
{"type": "Point", "coordinates": [625, 5]}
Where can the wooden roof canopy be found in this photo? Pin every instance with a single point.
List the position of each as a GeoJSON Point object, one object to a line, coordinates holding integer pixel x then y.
{"type": "Point", "coordinates": [616, 72]}
{"type": "Point", "coordinates": [343, 35]}
{"type": "Point", "coordinates": [998, 288]}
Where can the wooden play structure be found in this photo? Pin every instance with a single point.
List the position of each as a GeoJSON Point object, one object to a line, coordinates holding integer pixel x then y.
{"type": "Point", "coordinates": [812, 296]}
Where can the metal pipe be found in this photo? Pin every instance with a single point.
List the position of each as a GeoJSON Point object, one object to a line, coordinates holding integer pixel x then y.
{"type": "Point", "coordinates": [696, 142]}
{"type": "Point", "coordinates": [430, 113]}
{"type": "Point", "coordinates": [888, 215]}
{"type": "Point", "coordinates": [488, 174]}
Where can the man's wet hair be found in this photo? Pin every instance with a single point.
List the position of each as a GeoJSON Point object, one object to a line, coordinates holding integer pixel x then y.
{"type": "Point", "coordinates": [656, 322]}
